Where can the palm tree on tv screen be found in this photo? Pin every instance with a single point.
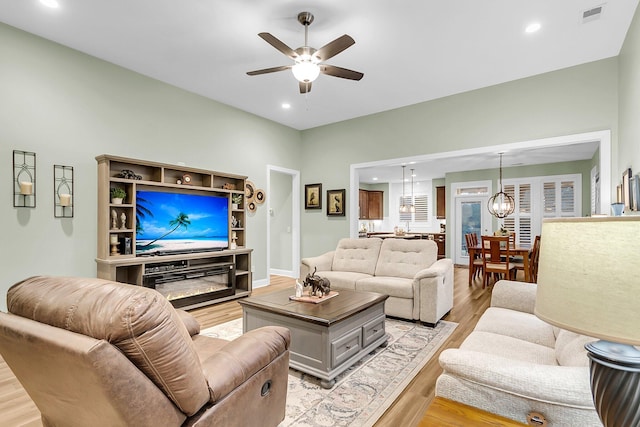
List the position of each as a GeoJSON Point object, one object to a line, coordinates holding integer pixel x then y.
{"type": "Point", "coordinates": [181, 220]}
{"type": "Point", "coordinates": [141, 213]}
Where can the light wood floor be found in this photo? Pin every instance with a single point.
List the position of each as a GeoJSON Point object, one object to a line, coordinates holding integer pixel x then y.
{"type": "Point", "coordinates": [18, 410]}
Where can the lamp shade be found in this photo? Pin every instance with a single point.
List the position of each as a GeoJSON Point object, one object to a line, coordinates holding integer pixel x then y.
{"type": "Point", "coordinates": [588, 277]}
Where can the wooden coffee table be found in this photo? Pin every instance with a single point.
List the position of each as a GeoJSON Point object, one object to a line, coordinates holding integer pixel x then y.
{"type": "Point", "coordinates": [326, 338]}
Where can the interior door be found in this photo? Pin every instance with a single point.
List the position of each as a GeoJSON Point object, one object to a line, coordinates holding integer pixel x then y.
{"type": "Point", "coordinates": [471, 216]}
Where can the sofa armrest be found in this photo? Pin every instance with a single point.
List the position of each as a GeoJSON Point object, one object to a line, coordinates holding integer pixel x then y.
{"type": "Point", "coordinates": [322, 263]}
{"type": "Point", "coordinates": [237, 361]}
{"type": "Point", "coordinates": [438, 268]}
{"type": "Point", "coordinates": [519, 296]}
{"type": "Point", "coordinates": [566, 385]}
{"type": "Point", "coordinates": [433, 291]}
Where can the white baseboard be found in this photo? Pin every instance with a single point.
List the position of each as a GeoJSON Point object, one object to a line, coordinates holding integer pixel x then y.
{"type": "Point", "coordinates": [259, 283]}
{"type": "Point", "coordinates": [286, 273]}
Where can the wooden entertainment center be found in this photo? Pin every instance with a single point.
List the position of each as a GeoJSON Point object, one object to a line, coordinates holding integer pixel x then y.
{"type": "Point", "coordinates": [116, 256]}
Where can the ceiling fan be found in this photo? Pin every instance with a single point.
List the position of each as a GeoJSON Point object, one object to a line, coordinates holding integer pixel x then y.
{"type": "Point", "coordinates": [309, 61]}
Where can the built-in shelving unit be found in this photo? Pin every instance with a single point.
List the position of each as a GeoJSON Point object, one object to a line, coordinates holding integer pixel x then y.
{"type": "Point", "coordinates": [116, 256]}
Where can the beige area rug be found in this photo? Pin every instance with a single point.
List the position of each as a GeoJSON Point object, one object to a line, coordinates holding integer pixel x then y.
{"type": "Point", "coordinates": [367, 389]}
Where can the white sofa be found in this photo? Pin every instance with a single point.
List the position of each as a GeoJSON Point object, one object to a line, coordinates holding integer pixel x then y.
{"type": "Point", "coordinates": [514, 363]}
{"type": "Point", "coordinates": [420, 287]}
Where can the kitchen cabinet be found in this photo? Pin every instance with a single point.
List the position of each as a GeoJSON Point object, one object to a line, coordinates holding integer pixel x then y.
{"type": "Point", "coordinates": [441, 203]}
{"type": "Point", "coordinates": [371, 204]}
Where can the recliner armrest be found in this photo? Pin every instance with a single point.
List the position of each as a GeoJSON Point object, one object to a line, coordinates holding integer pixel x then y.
{"type": "Point", "coordinates": [190, 322]}
{"type": "Point", "coordinates": [519, 296]}
{"type": "Point", "coordinates": [237, 361]}
{"type": "Point", "coordinates": [322, 263]}
{"type": "Point", "coordinates": [567, 385]}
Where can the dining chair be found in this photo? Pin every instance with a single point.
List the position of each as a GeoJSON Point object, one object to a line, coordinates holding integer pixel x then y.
{"type": "Point", "coordinates": [475, 262]}
{"type": "Point", "coordinates": [533, 259]}
{"type": "Point", "coordinates": [496, 255]}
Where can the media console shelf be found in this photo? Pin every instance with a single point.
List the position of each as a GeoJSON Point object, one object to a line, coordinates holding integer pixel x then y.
{"type": "Point", "coordinates": [117, 224]}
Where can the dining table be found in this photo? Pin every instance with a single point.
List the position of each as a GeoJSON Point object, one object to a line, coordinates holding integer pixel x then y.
{"type": "Point", "coordinates": [518, 250]}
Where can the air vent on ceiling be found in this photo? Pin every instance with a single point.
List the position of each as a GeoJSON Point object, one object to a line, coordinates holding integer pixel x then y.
{"type": "Point", "coordinates": [592, 14]}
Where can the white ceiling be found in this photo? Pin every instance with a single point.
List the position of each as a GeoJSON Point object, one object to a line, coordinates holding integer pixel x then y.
{"type": "Point", "coordinates": [410, 51]}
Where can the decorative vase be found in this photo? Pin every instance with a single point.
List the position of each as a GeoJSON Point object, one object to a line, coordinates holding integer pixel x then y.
{"type": "Point", "coordinates": [234, 206]}
{"type": "Point", "coordinates": [116, 201]}
{"type": "Point", "coordinates": [617, 208]}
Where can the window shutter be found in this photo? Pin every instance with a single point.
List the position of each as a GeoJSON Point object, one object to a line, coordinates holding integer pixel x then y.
{"type": "Point", "coordinates": [556, 195]}
{"type": "Point", "coordinates": [422, 208]}
{"type": "Point", "coordinates": [520, 221]}
{"type": "Point", "coordinates": [567, 201]}
{"type": "Point", "coordinates": [549, 199]}
{"type": "Point", "coordinates": [405, 216]}
{"type": "Point", "coordinates": [421, 205]}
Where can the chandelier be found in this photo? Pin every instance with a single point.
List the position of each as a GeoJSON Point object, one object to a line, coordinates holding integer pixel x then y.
{"type": "Point", "coordinates": [501, 204]}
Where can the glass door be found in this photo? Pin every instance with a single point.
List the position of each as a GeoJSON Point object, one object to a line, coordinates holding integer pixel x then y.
{"type": "Point", "coordinates": [470, 216]}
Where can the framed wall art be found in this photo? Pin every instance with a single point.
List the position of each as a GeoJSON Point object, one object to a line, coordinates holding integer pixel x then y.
{"type": "Point", "coordinates": [336, 202]}
{"type": "Point", "coordinates": [626, 189]}
{"type": "Point", "coordinates": [313, 196]}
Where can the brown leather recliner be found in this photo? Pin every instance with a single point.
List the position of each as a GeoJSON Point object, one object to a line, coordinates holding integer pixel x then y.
{"type": "Point", "coordinates": [91, 352]}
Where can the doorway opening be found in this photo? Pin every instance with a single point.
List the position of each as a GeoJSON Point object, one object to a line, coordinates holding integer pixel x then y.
{"type": "Point", "coordinates": [283, 221]}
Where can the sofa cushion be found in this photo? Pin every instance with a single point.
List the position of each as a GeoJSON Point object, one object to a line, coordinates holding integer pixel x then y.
{"type": "Point", "coordinates": [139, 321]}
{"type": "Point", "coordinates": [343, 279]}
{"type": "Point", "coordinates": [357, 255]}
{"type": "Point", "coordinates": [509, 347]}
{"type": "Point", "coordinates": [404, 258]}
{"type": "Point", "coordinates": [516, 324]}
{"type": "Point", "coordinates": [570, 349]}
{"type": "Point", "coordinates": [393, 286]}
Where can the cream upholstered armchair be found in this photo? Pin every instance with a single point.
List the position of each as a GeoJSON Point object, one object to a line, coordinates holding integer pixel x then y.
{"type": "Point", "coordinates": [91, 352]}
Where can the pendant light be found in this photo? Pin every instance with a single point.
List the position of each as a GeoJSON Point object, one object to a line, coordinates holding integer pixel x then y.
{"type": "Point", "coordinates": [404, 208]}
{"type": "Point", "coordinates": [501, 204]}
{"type": "Point", "coordinates": [412, 206]}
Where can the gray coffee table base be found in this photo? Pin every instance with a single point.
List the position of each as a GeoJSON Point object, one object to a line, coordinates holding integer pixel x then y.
{"type": "Point", "coordinates": [325, 351]}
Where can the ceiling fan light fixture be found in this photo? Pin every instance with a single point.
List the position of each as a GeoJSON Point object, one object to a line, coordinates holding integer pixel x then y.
{"type": "Point", "coordinates": [305, 70]}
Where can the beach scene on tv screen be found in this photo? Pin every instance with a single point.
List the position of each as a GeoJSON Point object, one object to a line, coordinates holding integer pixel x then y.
{"type": "Point", "coordinates": [176, 222]}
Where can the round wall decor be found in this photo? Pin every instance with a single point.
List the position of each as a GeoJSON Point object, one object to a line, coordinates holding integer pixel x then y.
{"type": "Point", "coordinates": [260, 196]}
{"type": "Point", "coordinates": [251, 206]}
{"type": "Point", "coordinates": [249, 190]}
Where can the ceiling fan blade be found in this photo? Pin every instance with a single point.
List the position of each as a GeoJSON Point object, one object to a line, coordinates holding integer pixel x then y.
{"type": "Point", "coordinates": [333, 48]}
{"type": "Point", "coordinates": [343, 73]}
{"type": "Point", "coordinates": [305, 87]}
{"type": "Point", "coordinates": [269, 70]}
{"type": "Point", "coordinates": [273, 41]}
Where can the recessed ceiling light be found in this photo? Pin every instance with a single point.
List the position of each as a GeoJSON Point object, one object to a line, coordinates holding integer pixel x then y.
{"type": "Point", "coordinates": [533, 27]}
{"type": "Point", "coordinates": [286, 106]}
{"type": "Point", "coordinates": [375, 178]}
{"type": "Point", "coordinates": [50, 3]}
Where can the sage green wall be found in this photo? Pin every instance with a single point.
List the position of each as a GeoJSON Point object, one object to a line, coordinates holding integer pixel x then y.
{"type": "Point", "coordinates": [568, 101]}
{"type": "Point", "coordinates": [68, 107]}
{"type": "Point", "coordinates": [629, 140]}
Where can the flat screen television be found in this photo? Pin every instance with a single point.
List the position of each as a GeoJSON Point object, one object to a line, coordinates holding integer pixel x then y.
{"type": "Point", "coordinates": [170, 223]}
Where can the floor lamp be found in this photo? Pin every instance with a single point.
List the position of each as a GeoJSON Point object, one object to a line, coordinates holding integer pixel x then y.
{"type": "Point", "coordinates": [589, 283]}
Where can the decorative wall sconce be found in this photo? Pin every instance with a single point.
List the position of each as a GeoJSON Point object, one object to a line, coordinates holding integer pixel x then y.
{"type": "Point", "coordinates": [62, 191]}
{"type": "Point", "coordinates": [24, 179]}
